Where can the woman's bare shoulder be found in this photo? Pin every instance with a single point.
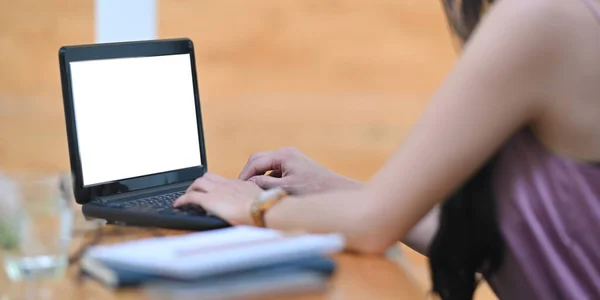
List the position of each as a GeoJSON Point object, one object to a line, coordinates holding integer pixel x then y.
{"type": "Point", "coordinates": [570, 30]}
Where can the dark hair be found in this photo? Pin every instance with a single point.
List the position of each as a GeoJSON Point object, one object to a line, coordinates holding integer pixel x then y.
{"type": "Point", "coordinates": [468, 240]}
{"type": "Point", "coordinates": [464, 18]}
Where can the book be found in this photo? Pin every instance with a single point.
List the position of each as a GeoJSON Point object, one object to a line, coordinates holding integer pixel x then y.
{"type": "Point", "coordinates": [308, 275]}
{"type": "Point", "coordinates": [116, 276]}
{"type": "Point", "coordinates": [203, 254]}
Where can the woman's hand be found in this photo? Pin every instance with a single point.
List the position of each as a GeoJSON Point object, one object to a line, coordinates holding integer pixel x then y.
{"type": "Point", "coordinates": [229, 199]}
{"type": "Point", "coordinates": [293, 171]}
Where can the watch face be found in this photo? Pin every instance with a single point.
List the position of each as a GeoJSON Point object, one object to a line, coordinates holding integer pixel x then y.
{"type": "Point", "coordinates": [269, 194]}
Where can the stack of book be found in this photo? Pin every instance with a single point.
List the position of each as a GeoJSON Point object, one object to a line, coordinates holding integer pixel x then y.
{"type": "Point", "coordinates": [230, 263]}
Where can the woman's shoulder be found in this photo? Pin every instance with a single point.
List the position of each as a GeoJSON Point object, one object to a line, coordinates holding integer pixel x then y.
{"type": "Point", "coordinates": [555, 44]}
{"type": "Point", "coordinates": [557, 18]}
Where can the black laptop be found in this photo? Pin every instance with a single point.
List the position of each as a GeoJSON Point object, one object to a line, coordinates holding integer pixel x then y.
{"type": "Point", "coordinates": [134, 131]}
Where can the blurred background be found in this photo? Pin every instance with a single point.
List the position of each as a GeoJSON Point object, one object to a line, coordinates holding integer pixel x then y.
{"type": "Point", "coordinates": [341, 80]}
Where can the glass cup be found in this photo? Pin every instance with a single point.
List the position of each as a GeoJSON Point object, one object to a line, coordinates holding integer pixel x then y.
{"type": "Point", "coordinates": [36, 220]}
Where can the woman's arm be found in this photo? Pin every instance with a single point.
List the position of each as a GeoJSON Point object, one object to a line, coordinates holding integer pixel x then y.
{"type": "Point", "coordinates": [421, 235]}
{"type": "Point", "coordinates": [493, 91]}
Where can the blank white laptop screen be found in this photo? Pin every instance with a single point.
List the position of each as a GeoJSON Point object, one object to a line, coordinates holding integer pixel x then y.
{"type": "Point", "coordinates": [134, 116]}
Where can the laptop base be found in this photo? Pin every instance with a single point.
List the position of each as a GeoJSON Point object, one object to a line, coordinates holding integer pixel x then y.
{"type": "Point", "coordinates": [152, 219]}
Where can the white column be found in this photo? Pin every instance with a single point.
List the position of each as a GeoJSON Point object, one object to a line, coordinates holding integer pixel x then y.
{"type": "Point", "coordinates": [125, 20]}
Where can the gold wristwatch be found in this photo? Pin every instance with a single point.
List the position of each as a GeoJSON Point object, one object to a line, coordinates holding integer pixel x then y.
{"type": "Point", "coordinates": [263, 203]}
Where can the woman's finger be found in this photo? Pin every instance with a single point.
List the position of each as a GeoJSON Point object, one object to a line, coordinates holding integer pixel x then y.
{"type": "Point", "coordinates": [202, 185]}
{"type": "Point", "coordinates": [216, 178]}
{"type": "Point", "coordinates": [253, 157]}
{"type": "Point", "coordinates": [267, 182]}
{"type": "Point", "coordinates": [193, 197]}
{"type": "Point", "coordinates": [260, 166]}
{"type": "Point", "coordinates": [207, 183]}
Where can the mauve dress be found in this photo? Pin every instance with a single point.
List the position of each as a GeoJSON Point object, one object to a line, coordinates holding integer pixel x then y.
{"type": "Point", "coordinates": [549, 216]}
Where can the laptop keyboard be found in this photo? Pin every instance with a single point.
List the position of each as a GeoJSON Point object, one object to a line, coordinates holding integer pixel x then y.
{"type": "Point", "coordinates": [162, 204]}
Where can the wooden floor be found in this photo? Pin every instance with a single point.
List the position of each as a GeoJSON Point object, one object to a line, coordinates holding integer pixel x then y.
{"type": "Point", "coordinates": [341, 80]}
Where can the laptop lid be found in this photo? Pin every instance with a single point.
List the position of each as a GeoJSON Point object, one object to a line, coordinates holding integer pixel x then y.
{"type": "Point", "coordinates": [132, 113]}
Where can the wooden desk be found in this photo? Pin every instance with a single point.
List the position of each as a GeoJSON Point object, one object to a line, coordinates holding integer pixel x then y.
{"type": "Point", "coordinates": [358, 277]}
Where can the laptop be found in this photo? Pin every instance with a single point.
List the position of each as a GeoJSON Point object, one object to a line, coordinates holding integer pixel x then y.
{"type": "Point", "coordinates": [134, 131]}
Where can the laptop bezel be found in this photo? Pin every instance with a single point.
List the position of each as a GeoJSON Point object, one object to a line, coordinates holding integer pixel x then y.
{"type": "Point", "coordinates": [67, 54]}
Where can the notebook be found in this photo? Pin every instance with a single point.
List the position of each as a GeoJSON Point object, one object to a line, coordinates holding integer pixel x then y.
{"type": "Point", "coordinates": [210, 253]}
{"type": "Point", "coordinates": [304, 276]}
{"type": "Point", "coordinates": [311, 269]}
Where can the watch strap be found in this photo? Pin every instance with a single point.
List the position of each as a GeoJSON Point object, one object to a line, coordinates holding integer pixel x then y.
{"type": "Point", "coordinates": [263, 203]}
